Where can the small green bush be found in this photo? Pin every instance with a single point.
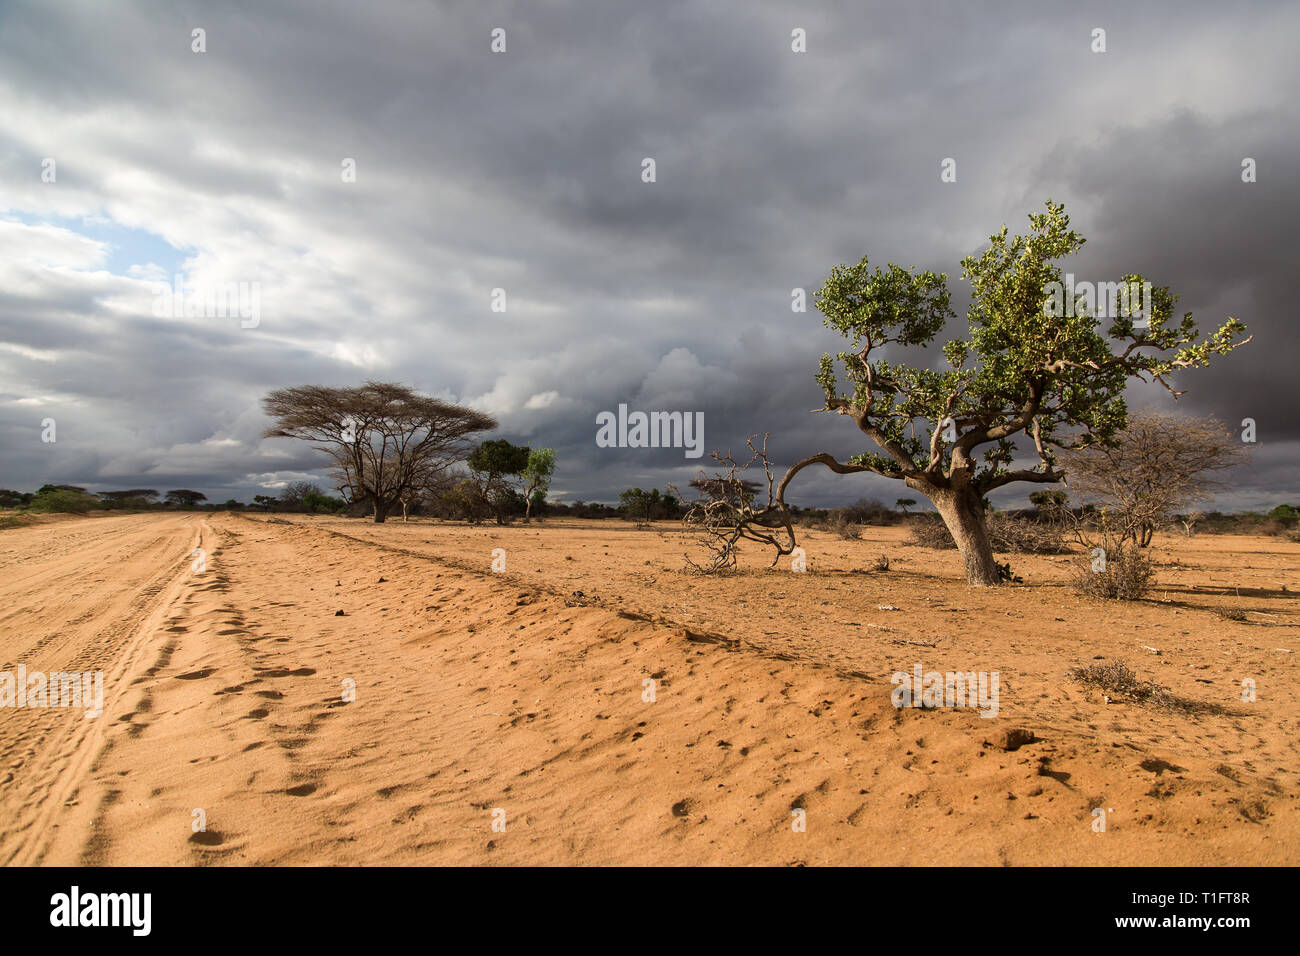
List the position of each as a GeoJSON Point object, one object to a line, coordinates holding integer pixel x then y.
{"type": "Point", "coordinates": [61, 501]}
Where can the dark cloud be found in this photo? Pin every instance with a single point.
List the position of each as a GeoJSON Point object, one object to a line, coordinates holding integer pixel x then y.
{"type": "Point", "coordinates": [522, 171]}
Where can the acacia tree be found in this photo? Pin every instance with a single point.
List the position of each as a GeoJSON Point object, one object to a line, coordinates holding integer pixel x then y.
{"type": "Point", "coordinates": [142, 493]}
{"type": "Point", "coordinates": [185, 498]}
{"type": "Point", "coordinates": [1056, 380]}
{"type": "Point", "coordinates": [1158, 464]}
{"type": "Point", "coordinates": [382, 437]}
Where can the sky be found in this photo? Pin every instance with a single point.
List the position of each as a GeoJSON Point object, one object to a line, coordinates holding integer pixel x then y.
{"type": "Point", "coordinates": [369, 175]}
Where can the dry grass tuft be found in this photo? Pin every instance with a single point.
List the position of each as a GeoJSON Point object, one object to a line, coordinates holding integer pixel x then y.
{"type": "Point", "coordinates": [1117, 679]}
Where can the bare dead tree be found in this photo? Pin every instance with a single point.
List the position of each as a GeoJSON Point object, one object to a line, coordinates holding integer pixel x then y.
{"type": "Point", "coordinates": [1159, 464]}
{"type": "Point", "coordinates": [384, 439]}
{"type": "Point", "coordinates": [432, 480]}
{"type": "Point", "coordinates": [1189, 522]}
{"type": "Point", "coordinates": [726, 511]}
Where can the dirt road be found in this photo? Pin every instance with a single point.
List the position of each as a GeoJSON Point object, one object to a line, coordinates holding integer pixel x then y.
{"type": "Point", "coordinates": [453, 715]}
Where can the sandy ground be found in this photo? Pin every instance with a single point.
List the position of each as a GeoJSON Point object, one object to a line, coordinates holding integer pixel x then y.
{"type": "Point", "coordinates": [521, 696]}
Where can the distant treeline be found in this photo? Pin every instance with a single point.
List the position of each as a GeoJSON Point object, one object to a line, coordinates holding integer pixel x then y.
{"type": "Point", "coordinates": [635, 504]}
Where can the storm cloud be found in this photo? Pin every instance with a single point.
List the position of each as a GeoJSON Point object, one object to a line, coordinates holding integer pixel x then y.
{"type": "Point", "coordinates": [522, 171]}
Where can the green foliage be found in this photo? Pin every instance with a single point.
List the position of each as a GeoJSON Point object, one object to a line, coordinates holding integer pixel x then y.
{"type": "Point", "coordinates": [537, 476]}
{"type": "Point", "coordinates": [537, 502]}
{"type": "Point", "coordinates": [498, 457]}
{"type": "Point", "coordinates": [316, 502]}
{"type": "Point", "coordinates": [53, 499]}
{"type": "Point", "coordinates": [1020, 370]}
{"type": "Point", "coordinates": [1049, 500]}
{"type": "Point", "coordinates": [494, 463]}
{"type": "Point", "coordinates": [540, 468]}
{"type": "Point", "coordinates": [643, 506]}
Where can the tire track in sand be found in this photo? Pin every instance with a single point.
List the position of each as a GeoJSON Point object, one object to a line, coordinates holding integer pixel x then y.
{"type": "Point", "coordinates": [61, 746]}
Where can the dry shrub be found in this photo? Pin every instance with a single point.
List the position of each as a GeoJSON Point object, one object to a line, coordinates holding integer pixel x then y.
{"type": "Point", "coordinates": [1022, 536]}
{"type": "Point", "coordinates": [1231, 613]}
{"type": "Point", "coordinates": [1126, 576]}
{"type": "Point", "coordinates": [929, 531]}
{"type": "Point", "coordinates": [1119, 680]}
{"type": "Point", "coordinates": [1008, 534]}
{"type": "Point", "coordinates": [841, 525]}
{"type": "Point", "coordinates": [866, 511]}
{"type": "Point", "coordinates": [882, 562]}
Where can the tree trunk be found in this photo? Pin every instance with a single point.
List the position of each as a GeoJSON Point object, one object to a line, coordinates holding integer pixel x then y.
{"type": "Point", "coordinates": [381, 510]}
{"type": "Point", "coordinates": [963, 513]}
{"type": "Point", "coordinates": [406, 507]}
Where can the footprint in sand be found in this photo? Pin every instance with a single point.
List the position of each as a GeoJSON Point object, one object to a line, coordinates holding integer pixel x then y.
{"type": "Point", "coordinates": [197, 675]}
{"type": "Point", "coordinates": [285, 672]}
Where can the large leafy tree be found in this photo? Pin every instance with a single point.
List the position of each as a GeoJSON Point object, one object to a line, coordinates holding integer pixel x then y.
{"type": "Point", "coordinates": [383, 438]}
{"type": "Point", "coordinates": [1023, 372]}
{"type": "Point", "coordinates": [496, 463]}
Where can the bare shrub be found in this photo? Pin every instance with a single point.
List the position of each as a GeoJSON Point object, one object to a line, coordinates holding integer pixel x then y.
{"type": "Point", "coordinates": [1123, 572]}
{"type": "Point", "coordinates": [866, 511]}
{"type": "Point", "coordinates": [1022, 536]}
{"type": "Point", "coordinates": [1231, 613]}
{"type": "Point", "coordinates": [929, 531]}
{"type": "Point", "coordinates": [840, 524]}
{"type": "Point", "coordinates": [882, 562]}
{"type": "Point", "coordinates": [1158, 464]}
{"type": "Point", "coordinates": [1118, 679]}
{"type": "Point", "coordinates": [1007, 534]}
